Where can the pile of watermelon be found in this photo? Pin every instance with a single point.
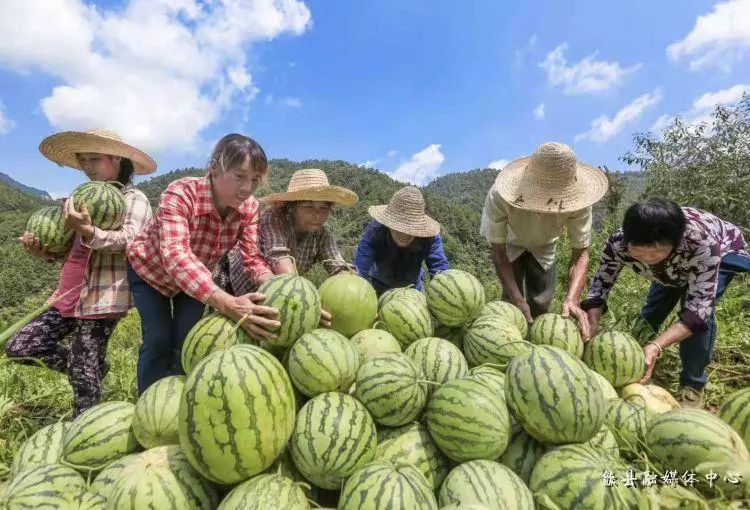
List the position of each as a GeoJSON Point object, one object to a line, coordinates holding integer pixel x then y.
{"type": "Point", "coordinates": [411, 401]}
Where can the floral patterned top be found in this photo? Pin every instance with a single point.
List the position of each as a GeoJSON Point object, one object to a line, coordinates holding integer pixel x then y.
{"type": "Point", "coordinates": [693, 264]}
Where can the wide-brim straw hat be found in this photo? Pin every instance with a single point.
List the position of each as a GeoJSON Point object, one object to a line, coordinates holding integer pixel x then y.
{"type": "Point", "coordinates": [551, 180]}
{"type": "Point", "coordinates": [312, 184]}
{"type": "Point", "coordinates": [62, 148]}
{"type": "Point", "coordinates": [406, 213]}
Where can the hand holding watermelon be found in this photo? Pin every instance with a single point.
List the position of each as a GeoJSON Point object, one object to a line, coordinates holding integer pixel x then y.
{"type": "Point", "coordinates": [79, 222]}
{"type": "Point", "coordinates": [569, 308]}
{"type": "Point", "coordinates": [325, 319]}
{"type": "Point", "coordinates": [259, 320]}
{"type": "Point", "coordinates": [34, 247]}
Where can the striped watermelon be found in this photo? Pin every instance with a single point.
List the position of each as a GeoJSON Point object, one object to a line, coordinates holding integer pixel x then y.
{"type": "Point", "coordinates": [413, 445]}
{"type": "Point", "coordinates": [105, 481]}
{"type": "Point", "coordinates": [43, 487]}
{"type": "Point", "coordinates": [440, 361]}
{"type": "Point", "coordinates": [48, 225]}
{"type": "Point", "coordinates": [570, 476]}
{"type": "Point", "coordinates": [334, 435]}
{"type": "Point", "coordinates": [453, 335]}
{"type": "Point", "coordinates": [323, 360]}
{"type": "Point", "coordinates": [488, 483]}
{"type": "Point", "coordinates": [735, 411]}
{"type": "Point", "coordinates": [162, 478]}
{"type": "Point", "coordinates": [522, 453]}
{"type": "Point", "coordinates": [490, 376]}
{"type": "Point", "coordinates": [211, 333]}
{"type": "Point", "coordinates": [401, 292]}
{"type": "Point", "coordinates": [267, 491]}
{"type": "Point", "coordinates": [390, 388]}
{"type": "Point", "coordinates": [683, 438]}
{"type": "Point", "coordinates": [408, 320]}
{"type": "Point", "coordinates": [99, 435]}
{"type": "Point", "coordinates": [298, 303]}
{"type": "Point", "coordinates": [492, 339]}
{"type": "Point", "coordinates": [236, 413]}
{"type": "Point", "coordinates": [553, 394]}
{"type": "Point", "coordinates": [43, 447]}
{"type": "Point", "coordinates": [467, 421]}
{"type": "Point", "coordinates": [374, 342]}
{"type": "Point", "coordinates": [554, 329]}
{"type": "Point", "coordinates": [617, 356]}
{"type": "Point", "coordinates": [608, 391]}
{"type": "Point", "coordinates": [156, 412]}
{"type": "Point", "coordinates": [386, 486]}
{"type": "Point", "coordinates": [104, 201]}
{"type": "Point", "coordinates": [455, 297]}
{"type": "Point", "coordinates": [605, 441]}
{"type": "Point", "coordinates": [85, 501]}
{"type": "Point", "coordinates": [351, 301]}
{"type": "Point", "coordinates": [628, 423]}
{"type": "Point", "coordinates": [509, 312]}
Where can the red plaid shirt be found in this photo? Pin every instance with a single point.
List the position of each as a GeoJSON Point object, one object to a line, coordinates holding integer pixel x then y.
{"type": "Point", "coordinates": [179, 249]}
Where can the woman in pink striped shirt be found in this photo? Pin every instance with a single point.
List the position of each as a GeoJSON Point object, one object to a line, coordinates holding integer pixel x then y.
{"type": "Point", "coordinates": [171, 261]}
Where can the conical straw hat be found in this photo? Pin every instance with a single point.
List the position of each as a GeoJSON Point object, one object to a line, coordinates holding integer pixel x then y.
{"type": "Point", "coordinates": [406, 213]}
{"type": "Point", "coordinates": [312, 184]}
{"type": "Point", "coordinates": [63, 147]}
{"type": "Point", "coordinates": [551, 180]}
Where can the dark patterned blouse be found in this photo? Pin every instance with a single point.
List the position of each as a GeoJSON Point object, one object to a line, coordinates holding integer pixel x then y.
{"type": "Point", "coordinates": [693, 265]}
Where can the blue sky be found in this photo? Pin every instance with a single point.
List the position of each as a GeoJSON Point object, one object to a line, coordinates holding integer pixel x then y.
{"type": "Point", "coordinates": [415, 88]}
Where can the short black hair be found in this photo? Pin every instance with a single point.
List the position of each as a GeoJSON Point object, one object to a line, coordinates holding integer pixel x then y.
{"type": "Point", "coordinates": [655, 221]}
{"type": "Point", "coordinates": [126, 171]}
{"type": "Point", "coordinates": [234, 149]}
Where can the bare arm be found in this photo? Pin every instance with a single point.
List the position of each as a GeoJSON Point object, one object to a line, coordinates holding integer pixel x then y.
{"type": "Point", "coordinates": [579, 267]}
{"type": "Point", "coordinates": [504, 271]}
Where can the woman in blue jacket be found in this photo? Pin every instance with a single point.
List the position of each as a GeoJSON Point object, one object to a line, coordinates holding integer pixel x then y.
{"type": "Point", "coordinates": [395, 245]}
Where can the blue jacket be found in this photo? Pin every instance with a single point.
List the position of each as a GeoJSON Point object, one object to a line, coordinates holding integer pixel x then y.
{"type": "Point", "coordinates": [387, 266]}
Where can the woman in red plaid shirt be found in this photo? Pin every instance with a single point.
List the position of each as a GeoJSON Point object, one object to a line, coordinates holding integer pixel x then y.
{"type": "Point", "coordinates": [171, 261]}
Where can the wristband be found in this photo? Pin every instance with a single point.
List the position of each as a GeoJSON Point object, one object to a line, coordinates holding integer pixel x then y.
{"type": "Point", "coordinates": [661, 350]}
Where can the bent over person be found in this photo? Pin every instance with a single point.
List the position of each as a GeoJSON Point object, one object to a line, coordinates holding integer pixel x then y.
{"type": "Point", "coordinates": [171, 261]}
{"type": "Point", "coordinates": [531, 201]}
{"type": "Point", "coordinates": [93, 293]}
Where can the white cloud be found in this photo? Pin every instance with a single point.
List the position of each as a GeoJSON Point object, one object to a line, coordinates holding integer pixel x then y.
{"type": "Point", "coordinates": [6, 125]}
{"type": "Point", "coordinates": [422, 167]}
{"type": "Point", "coordinates": [720, 38]}
{"type": "Point", "coordinates": [604, 128]}
{"type": "Point", "coordinates": [539, 111]}
{"type": "Point", "coordinates": [703, 107]}
{"type": "Point", "coordinates": [292, 102]}
{"type": "Point", "coordinates": [585, 77]}
{"type": "Point", "coordinates": [157, 71]}
{"type": "Point", "coordinates": [498, 164]}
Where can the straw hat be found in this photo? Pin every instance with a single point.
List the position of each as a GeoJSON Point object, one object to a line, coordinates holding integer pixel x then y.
{"type": "Point", "coordinates": [405, 213]}
{"type": "Point", "coordinates": [312, 184]}
{"type": "Point", "coordinates": [551, 180]}
{"type": "Point", "coordinates": [63, 147]}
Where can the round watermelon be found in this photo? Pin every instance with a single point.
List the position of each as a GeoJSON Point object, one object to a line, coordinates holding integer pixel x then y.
{"type": "Point", "coordinates": [374, 342]}
{"type": "Point", "coordinates": [487, 483]}
{"type": "Point", "coordinates": [334, 436]}
{"type": "Point", "coordinates": [407, 320]}
{"type": "Point", "coordinates": [509, 312]}
{"type": "Point", "coordinates": [236, 414]}
{"type": "Point", "coordinates": [43, 447]}
{"type": "Point", "coordinates": [210, 334]}
{"type": "Point", "coordinates": [48, 225]}
{"type": "Point", "coordinates": [391, 388]}
{"type": "Point", "coordinates": [401, 292]}
{"type": "Point", "coordinates": [554, 396]}
{"type": "Point", "coordinates": [323, 360]}
{"type": "Point", "coordinates": [439, 360]}
{"type": "Point", "coordinates": [351, 301]}
{"type": "Point", "coordinates": [492, 339]}
{"type": "Point", "coordinates": [556, 330]}
{"type": "Point", "coordinates": [735, 411]}
{"type": "Point", "coordinates": [267, 491]}
{"type": "Point", "coordinates": [104, 201]}
{"type": "Point", "coordinates": [468, 421]}
{"type": "Point", "coordinates": [617, 356]}
{"type": "Point", "coordinates": [106, 479]}
{"type": "Point", "coordinates": [298, 303]}
{"type": "Point", "coordinates": [386, 486]}
{"type": "Point", "coordinates": [455, 297]}
{"type": "Point", "coordinates": [99, 435]}
{"type": "Point", "coordinates": [156, 412]}
{"type": "Point", "coordinates": [413, 445]}
{"type": "Point", "coordinates": [628, 423]}
{"type": "Point", "coordinates": [49, 486]}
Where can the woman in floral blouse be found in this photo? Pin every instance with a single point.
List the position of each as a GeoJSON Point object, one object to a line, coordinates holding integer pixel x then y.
{"type": "Point", "coordinates": [690, 256]}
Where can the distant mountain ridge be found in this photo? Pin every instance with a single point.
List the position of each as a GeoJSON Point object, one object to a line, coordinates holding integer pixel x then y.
{"type": "Point", "coordinates": [28, 189]}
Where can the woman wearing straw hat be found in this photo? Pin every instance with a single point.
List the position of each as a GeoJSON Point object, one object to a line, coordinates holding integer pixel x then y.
{"type": "Point", "coordinates": [531, 201]}
{"type": "Point", "coordinates": [170, 263]}
{"type": "Point", "coordinates": [294, 228]}
{"type": "Point", "coordinates": [395, 245]}
{"type": "Point", "coordinates": [93, 293]}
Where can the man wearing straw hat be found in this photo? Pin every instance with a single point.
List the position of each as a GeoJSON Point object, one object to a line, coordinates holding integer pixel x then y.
{"type": "Point", "coordinates": [93, 293]}
{"type": "Point", "coordinates": [395, 246]}
{"type": "Point", "coordinates": [531, 201]}
{"type": "Point", "coordinates": [293, 236]}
